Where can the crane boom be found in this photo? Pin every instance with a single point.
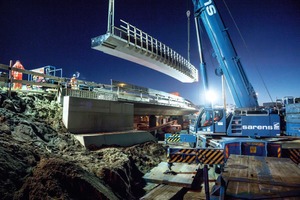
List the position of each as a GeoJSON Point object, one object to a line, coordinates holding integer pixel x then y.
{"type": "Point", "coordinates": [239, 86]}
{"type": "Point", "coordinates": [248, 120]}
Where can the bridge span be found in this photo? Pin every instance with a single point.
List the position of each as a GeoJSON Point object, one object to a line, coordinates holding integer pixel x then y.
{"type": "Point", "coordinates": [132, 44]}
{"type": "Point", "coordinates": [146, 101]}
{"type": "Point", "coordinates": [116, 107]}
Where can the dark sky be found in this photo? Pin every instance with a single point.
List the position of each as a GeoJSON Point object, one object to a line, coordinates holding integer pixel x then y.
{"type": "Point", "coordinates": [58, 33]}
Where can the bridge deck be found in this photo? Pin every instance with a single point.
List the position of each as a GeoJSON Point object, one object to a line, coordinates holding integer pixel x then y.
{"type": "Point", "coordinates": [132, 44]}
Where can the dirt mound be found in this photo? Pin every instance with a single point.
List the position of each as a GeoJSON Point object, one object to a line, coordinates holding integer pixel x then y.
{"type": "Point", "coordinates": [16, 163]}
{"type": "Point", "coordinates": [55, 178]}
{"type": "Point", "coordinates": [41, 160]}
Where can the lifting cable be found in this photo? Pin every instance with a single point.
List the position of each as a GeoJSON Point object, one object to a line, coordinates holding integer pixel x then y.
{"type": "Point", "coordinates": [240, 34]}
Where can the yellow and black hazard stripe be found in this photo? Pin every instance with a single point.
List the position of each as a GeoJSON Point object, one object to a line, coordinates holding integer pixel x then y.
{"type": "Point", "coordinates": [203, 156]}
{"type": "Point", "coordinates": [175, 137]}
{"type": "Point", "coordinates": [279, 152]}
{"type": "Point", "coordinates": [183, 156]}
{"type": "Point", "coordinates": [210, 156]}
{"type": "Point", "coordinates": [294, 155]}
{"type": "Point", "coordinates": [226, 152]}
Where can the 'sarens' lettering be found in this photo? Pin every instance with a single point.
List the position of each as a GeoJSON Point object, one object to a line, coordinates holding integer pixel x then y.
{"type": "Point", "coordinates": [210, 8]}
{"type": "Point", "coordinates": [276, 126]}
{"type": "Point", "coordinates": [258, 127]}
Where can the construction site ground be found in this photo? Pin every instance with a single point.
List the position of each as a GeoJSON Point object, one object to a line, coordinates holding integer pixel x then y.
{"type": "Point", "coordinates": [40, 159]}
{"type": "Point", "coordinates": [183, 181]}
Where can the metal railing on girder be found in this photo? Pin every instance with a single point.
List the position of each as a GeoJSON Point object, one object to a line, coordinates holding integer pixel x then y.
{"type": "Point", "coordinates": [130, 43]}
{"type": "Point", "coordinates": [154, 48]}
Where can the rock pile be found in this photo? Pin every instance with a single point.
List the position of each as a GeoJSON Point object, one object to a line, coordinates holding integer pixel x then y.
{"type": "Point", "coordinates": [41, 160]}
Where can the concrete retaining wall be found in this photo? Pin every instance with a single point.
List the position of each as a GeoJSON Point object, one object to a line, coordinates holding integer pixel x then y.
{"type": "Point", "coordinates": [91, 116]}
{"type": "Point", "coordinates": [125, 138]}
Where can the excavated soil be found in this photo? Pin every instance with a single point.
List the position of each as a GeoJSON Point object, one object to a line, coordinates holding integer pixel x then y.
{"type": "Point", "coordinates": [41, 160]}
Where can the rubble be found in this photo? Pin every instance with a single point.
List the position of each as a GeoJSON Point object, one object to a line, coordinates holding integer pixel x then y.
{"type": "Point", "coordinates": [41, 160]}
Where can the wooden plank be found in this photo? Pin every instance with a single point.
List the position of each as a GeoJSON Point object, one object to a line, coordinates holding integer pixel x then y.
{"type": "Point", "coordinates": [163, 192]}
{"type": "Point", "coordinates": [6, 67]}
{"type": "Point", "coordinates": [199, 194]}
{"type": "Point", "coordinates": [184, 177]}
{"type": "Point", "coordinates": [261, 177]}
{"type": "Point", "coordinates": [36, 83]}
{"type": "Point", "coordinates": [195, 194]}
{"type": "Point", "coordinates": [267, 182]}
{"type": "Point", "coordinates": [233, 163]}
{"type": "Point", "coordinates": [252, 175]}
{"type": "Point", "coordinates": [284, 170]}
{"type": "Point", "coordinates": [4, 79]}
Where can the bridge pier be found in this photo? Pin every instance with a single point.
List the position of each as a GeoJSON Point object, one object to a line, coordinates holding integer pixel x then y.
{"type": "Point", "coordinates": [152, 121]}
{"type": "Point", "coordinates": [81, 115]}
{"type": "Point", "coordinates": [98, 122]}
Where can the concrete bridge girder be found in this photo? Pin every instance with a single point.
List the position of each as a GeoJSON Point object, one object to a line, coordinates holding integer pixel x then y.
{"type": "Point", "coordinates": [151, 109]}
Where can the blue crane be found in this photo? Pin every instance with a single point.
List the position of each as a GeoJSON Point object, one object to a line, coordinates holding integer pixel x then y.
{"type": "Point", "coordinates": [248, 119]}
{"type": "Point", "coordinates": [230, 65]}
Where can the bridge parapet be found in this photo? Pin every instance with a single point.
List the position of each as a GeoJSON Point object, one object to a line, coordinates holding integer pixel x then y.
{"type": "Point", "coordinates": [116, 93]}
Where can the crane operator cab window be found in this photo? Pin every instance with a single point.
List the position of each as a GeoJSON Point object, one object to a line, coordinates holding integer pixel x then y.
{"type": "Point", "coordinates": [210, 116]}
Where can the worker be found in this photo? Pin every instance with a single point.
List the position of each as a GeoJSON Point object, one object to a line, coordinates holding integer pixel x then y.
{"type": "Point", "coordinates": [207, 122]}
{"type": "Point", "coordinates": [74, 82]}
{"type": "Point", "coordinates": [17, 75]}
{"type": "Point", "coordinates": [217, 118]}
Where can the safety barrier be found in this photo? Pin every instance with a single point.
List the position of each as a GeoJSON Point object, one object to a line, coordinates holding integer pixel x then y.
{"type": "Point", "coordinates": [8, 78]}
{"type": "Point", "coordinates": [90, 94]}
{"type": "Point", "coordinates": [180, 138]}
{"type": "Point", "coordinates": [294, 155]}
{"type": "Point", "coordinates": [182, 155]}
{"type": "Point", "coordinates": [203, 156]}
{"type": "Point", "coordinates": [175, 137]}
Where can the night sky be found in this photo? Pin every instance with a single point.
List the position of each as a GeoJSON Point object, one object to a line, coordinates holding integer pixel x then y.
{"type": "Point", "coordinates": [59, 32]}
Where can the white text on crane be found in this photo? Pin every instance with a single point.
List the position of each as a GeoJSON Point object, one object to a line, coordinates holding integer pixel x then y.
{"type": "Point", "coordinates": [210, 8]}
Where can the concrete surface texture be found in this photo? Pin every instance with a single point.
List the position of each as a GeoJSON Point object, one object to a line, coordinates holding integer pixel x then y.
{"type": "Point", "coordinates": [91, 116]}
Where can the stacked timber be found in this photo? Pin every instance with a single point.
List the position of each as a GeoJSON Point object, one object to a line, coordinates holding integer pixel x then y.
{"type": "Point", "coordinates": [293, 119]}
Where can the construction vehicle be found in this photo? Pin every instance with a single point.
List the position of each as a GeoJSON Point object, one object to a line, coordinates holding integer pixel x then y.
{"type": "Point", "coordinates": [248, 119]}
{"type": "Point", "coordinates": [249, 129]}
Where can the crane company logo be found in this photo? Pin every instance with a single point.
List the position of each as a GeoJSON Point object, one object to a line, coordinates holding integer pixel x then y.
{"type": "Point", "coordinates": [210, 8]}
{"type": "Point", "coordinates": [275, 126]}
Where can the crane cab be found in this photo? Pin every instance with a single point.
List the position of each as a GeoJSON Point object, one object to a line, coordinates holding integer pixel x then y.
{"type": "Point", "coordinates": [241, 123]}
{"type": "Point", "coordinates": [210, 121]}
